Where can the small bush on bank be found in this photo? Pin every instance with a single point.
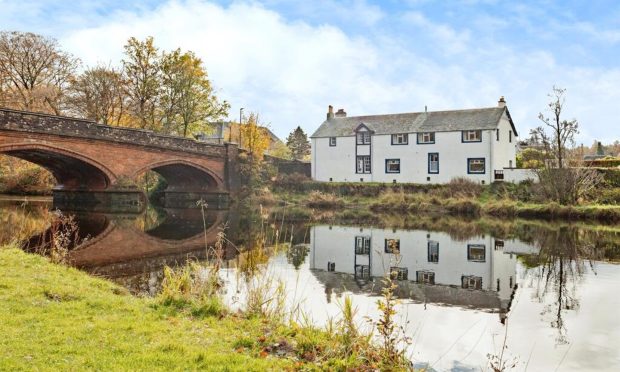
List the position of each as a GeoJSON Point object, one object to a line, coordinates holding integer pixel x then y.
{"type": "Point", "coordinates": [320, 200]}
{"type": "Point", "coordinates": [462, 187]}
{"type": "Point", "coordinates": [609, 196]}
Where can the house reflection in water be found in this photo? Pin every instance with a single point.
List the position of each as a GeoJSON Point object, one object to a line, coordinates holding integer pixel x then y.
{"type": "Point", "coordinates": [430, 267]}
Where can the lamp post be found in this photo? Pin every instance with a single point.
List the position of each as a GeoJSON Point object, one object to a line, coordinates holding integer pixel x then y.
{"type": "Point", "coordinates": [240, 122]}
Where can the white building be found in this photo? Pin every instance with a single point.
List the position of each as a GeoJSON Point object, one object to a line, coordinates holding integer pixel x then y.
{"type": "Point", "coordinates": [478, 272]}
{"type": "Point", "coordinates": [420, 147]}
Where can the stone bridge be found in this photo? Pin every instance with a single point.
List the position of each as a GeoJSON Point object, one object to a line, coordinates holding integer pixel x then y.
{"type": "Point", "coordinates": [97, 165]}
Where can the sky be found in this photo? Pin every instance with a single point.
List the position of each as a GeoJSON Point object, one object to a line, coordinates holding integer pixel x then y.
{"type": "Point", "coordinates": [289, 60]}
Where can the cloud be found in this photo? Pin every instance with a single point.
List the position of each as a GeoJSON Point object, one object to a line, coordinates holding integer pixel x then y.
{"type": "Point", "coordinates": [289, 68]}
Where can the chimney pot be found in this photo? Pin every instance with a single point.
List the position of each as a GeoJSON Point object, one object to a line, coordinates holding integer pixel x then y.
{"type": "Point", "coordinates": [330, 112]}
{"type": "Point", "coordinates": [501, 102]}
{"type": "Point", "coordinates": [341, 113]}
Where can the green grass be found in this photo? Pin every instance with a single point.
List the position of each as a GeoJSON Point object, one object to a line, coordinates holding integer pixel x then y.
{"type": "Point", "coordinates": [57, 318]}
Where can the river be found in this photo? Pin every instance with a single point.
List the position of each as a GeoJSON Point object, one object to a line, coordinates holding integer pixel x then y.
{"type": "Point", "coordinates": [547, 292]}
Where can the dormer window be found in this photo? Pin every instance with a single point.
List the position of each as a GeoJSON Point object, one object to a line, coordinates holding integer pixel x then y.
{"type": "Point", "coordinates": [426, 137]}
{"type": "Point", "coordinates": [363, 138]}
{"type": "Point", "coordinates": [472, 136]}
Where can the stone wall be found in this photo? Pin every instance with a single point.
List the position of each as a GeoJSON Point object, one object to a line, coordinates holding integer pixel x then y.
{"type": "Point", "coordinates": [286, 166]}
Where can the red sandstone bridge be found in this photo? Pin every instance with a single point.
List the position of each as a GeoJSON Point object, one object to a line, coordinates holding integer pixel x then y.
{"type": "Point", "coordinates": [96, 164]}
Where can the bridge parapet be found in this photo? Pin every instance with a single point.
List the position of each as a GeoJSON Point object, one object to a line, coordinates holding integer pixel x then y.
{"type": "Point", "coordinates": [73, 127]}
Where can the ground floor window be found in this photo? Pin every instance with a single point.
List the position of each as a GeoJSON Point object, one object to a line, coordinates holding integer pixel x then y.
{"type": "Point", "coordinates": [427, 277]}
{"type": "Point", "coordinates": [433, 162]}
{"type": "Point", "coordinates": [392, 165]}
{"type": "Point", "coordinates": [392, 246]}
{"type": "Point", "coordinates": [476, 165]}
{"type": "Point", "coordinates": [476, 252]}
{"type": "Point", "coordinates": [363, 164]}
{"type": "Point", "coordinates": [399, 273]}
{"type": "Point", "coordinates": [362, 245]}
{"type": "Point", "coordinates": [471, 282]}
{"type": "Point", "coordinates": [433, 251]}
{"type": "Point", "coordinates": [362, 271]}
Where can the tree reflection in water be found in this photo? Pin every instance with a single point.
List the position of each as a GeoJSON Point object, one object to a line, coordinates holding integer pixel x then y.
{"type": "Point", "coordinates": [565, 253]}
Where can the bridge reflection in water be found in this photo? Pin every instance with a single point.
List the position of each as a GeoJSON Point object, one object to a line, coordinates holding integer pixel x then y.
{"type": "Point", "coordinates": [132, 246]}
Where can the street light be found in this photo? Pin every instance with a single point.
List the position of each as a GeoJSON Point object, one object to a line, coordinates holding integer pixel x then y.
{"type": "Point", "coordinates": [240, 121]}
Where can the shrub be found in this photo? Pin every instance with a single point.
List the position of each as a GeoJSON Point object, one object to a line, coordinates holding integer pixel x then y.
{"type": "Point", "coordinates": [609, 196]}
{"type": "Point", "coordinates": [317, 199]}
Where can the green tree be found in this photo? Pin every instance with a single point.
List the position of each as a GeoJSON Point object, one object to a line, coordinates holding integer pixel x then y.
{"type": "Point", "coordinates": [298, 142]}
{"type": "Point", "coordinates": [188, 101]}
{"type": "Point", "coordinates": [141, 70]}
{"type": "Point", "coordinates": [531, 158]}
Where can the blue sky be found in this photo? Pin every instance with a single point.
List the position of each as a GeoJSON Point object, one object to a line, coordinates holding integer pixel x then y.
{"type": "Point", "coordinates": [288, 60]}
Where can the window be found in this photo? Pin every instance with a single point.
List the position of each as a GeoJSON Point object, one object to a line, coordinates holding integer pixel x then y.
{"type": "Point", "coordinates": [331, 266]}
{"type": "Point", "coordinates": [362, 271]}
{"type": "Point", "coordinates": [400, 139]}
{"type": "Point", "coordinates": [332, 141]}
{"type": "Point", "coordinates": [392, 246]}
{"type": "Point", "coordinates": [472, 136]}
{"type": "Point", "coordinates": [399, 273]}
{"type": "Point", "coordinates": [497, 134]}
{"type": "Point", "coordinates": [433, 251]}
{"type": "Point", "coordinates": [392, 165]}
{"type": "Point", "coordinates": [433, 162]}
{"type": "Point", "coordinates": [471, 282]}
{"type": "Point", "coordinates": [509, 136]}
{"type": "Point", "coordinates": [427, 277]}
{"type": "Point", "coordinates": [426, 137]}
{"type": "Point", "coordinates": [363, 164]}
{"type": "Point", "coordinates": [363, 138]}
{"type": "Point", "coordinates": [476, 252]}
{"type": "Point", "coordinates": [362, 245]}
{"type": "Point", "coordinates": [476, 165]}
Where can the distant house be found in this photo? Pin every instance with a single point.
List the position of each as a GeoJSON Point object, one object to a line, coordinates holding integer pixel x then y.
{"type": "Point", "coordinates": [418, 147]}
{"type": "Point", "coordinates": [229, 132]}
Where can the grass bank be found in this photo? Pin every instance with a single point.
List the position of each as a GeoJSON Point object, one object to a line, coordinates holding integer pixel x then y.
{"type": "Point", "coordinates": [57, 318]}
{"type": "Point", "coordinates": [455, 198]}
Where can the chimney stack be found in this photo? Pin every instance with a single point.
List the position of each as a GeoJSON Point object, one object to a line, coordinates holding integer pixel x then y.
{"type": "Point", "coordinates": [501, 102]}
{"type": "Point", "coordinates": [341, 113]}
{"type": "Point", "coordinates": [330, 112]}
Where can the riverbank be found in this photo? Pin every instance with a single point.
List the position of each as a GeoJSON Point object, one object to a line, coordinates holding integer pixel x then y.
{"type": "Point", "coordinates": [458, 198]}
{"type": "Point", "coordinates": [57, 318]}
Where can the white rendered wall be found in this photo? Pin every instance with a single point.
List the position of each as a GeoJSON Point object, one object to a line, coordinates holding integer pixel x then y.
{"type": "Point", "coordinates": [504, 151]}
{"type": "Point", "coordinates": [337, 244]}
{"type": "Point", "coordinates": [519, 175]}
{"type": "Point", "coordinates": [339, 162]}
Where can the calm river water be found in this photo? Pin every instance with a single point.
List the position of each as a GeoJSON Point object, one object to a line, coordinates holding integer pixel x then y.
{"type": "Point", "coordinates": [550, 290]}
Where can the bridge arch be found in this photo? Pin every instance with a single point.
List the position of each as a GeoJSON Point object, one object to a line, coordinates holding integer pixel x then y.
{"type": "Point", "coordinates": [185, 176]}
{"type": "Point", "coordinates": [71, 170]}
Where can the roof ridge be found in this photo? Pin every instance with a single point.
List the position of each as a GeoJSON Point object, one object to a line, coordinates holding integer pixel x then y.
{"type": "Point", "coordinates": [416, 112]}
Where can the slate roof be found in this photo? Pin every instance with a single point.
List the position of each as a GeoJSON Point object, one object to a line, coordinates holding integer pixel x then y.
{"type": "Point", "coordinates": [432, 121]}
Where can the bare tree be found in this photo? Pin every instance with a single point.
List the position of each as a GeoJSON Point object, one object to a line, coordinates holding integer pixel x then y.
{"type": "Point", "coordinates": [34, 72]}
{"type": "Point", "coordinates": [98, 94]}
{"type": "Point", "coordinates": [562, 131]}
{"type": "Point", "coordinates": [562, 182]}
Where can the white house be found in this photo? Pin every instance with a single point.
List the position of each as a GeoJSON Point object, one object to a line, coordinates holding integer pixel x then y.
{"type": "Point", "coordinates": [419, 147]}
{"type": "Point", "coordinates": [481, 263]}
